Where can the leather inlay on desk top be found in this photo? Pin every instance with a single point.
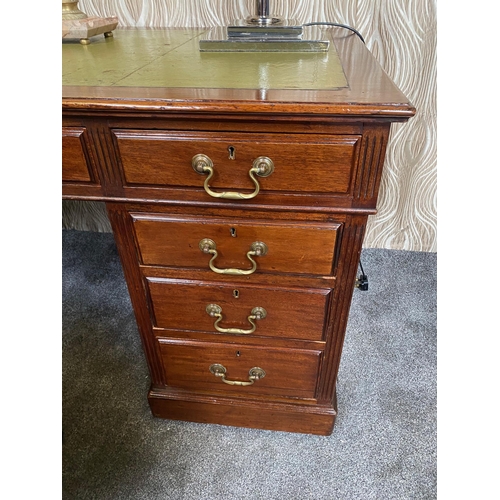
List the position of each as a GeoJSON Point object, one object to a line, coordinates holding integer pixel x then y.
{"type": "Point", "coordinates": [171, 58]}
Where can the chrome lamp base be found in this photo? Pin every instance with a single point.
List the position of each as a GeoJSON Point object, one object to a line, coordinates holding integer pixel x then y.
{"type": "Point", "coordinates": [264, 33]}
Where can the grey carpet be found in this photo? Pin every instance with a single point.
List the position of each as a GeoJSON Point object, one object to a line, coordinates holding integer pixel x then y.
{"type": "Point", "coordinates": [383, 445]}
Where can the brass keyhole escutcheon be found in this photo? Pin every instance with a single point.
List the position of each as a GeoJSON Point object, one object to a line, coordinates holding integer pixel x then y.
{"type": "Point", "coordinates": [232, 152]}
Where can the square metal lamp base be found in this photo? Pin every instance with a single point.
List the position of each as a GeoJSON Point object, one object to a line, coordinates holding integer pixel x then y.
{"type": "Point", "coordinates": [287, 36]}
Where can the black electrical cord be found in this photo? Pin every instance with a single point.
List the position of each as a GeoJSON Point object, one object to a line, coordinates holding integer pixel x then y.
{"type": "Point", "coordinates": [362, 280]}
{"type": "Point", "coordinates": [362, 270]}
{"type": "Point", "coordinates": [337, 25]}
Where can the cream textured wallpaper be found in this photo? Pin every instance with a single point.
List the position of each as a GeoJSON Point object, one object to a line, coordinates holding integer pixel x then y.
{"type": "Point", "coordinates": [401, 34]}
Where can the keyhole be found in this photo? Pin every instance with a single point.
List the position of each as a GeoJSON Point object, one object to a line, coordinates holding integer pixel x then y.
{"type": "Point", "coordinates": [232, 152]}
{"type": "Point", "coordinates": [236, 294]}
{"type": "Point", "coordinates": [238, 354]}
{"type": "Point", "coordinates": [233, 232]}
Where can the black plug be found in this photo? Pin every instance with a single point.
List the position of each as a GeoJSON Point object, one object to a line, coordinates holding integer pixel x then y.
{"type": "Point", "coordinates": [362, 280]}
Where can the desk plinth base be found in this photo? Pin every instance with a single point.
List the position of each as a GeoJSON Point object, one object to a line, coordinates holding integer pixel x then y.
{"type": "Point", "coordinates": [305, 419]}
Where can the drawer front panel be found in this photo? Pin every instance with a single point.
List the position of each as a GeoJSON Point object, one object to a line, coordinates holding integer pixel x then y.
{"type": "Point", "coordinates": [291, 247]}
{"type": "Point", "coordinates": [288, 372]}
{"type": "Point", "coordinates": [302, 163]}
{"type": "Point", "coordinates": [74, 164]}
{"type": "Point", "coordinates": [289, 313]}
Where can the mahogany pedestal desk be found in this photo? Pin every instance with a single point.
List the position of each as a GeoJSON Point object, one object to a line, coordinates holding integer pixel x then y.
{"type": "Point", "coordinates": [238, 187]}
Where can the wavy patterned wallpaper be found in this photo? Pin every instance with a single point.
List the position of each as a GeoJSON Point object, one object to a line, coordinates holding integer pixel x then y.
{"type": "Point", "coordinates": [402, 36]}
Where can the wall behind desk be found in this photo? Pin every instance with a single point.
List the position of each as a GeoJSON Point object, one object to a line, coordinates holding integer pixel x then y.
{"type": "Point", "coordinates": [401, 34]}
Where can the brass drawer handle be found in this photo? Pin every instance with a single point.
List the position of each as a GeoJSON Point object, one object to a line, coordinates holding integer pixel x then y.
{"type": "Point", "coordinates": [257, 248]}
{"type": "Point", "coordinates": [215, 311]}
{"type": "Point", "coordinates": [254, 374]}
{"type": "Point", "coordinates": [262, 166]}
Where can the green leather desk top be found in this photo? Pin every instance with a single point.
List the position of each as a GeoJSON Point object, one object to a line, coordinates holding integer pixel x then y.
{"type": "Point", "coordinates": [171, 58]}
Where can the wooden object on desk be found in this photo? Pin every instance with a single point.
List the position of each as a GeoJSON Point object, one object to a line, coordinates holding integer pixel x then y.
{"type": "Point", "coordinates": [147, 119]}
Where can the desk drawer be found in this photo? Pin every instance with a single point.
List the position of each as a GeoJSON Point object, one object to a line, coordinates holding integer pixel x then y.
{"type": "Point", "coordinates": [267, 311]}
{"type": "Point", "coordinates": [74, 162]}
{"type": "Point", "coordinates": [288, 372]}
{"type": "Point", "coordinates": [302, 163]}
{"type": "Point", "coordinates": [234, 246]}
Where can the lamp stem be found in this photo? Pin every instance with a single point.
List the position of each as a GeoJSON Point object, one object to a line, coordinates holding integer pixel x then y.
{"type": "Point", "coordinates": [263, 8]}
